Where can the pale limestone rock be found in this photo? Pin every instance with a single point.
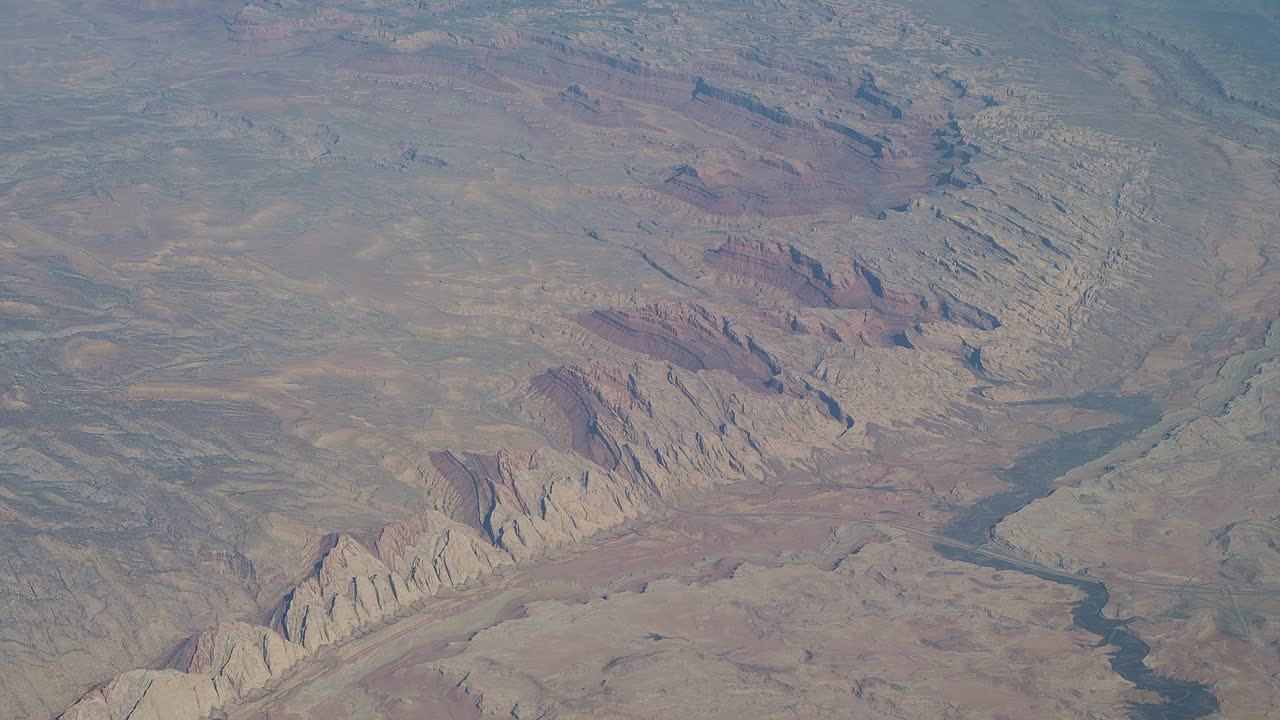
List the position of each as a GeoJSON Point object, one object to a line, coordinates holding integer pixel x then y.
{"type": "Point", "coordinates": [149, 695]}
{"type": "Point", "coordinates": [215, 668]}
{"type": "Point", "coordinates": [355, 588]}
{"type": "Point", "coordinates": [239, 657]}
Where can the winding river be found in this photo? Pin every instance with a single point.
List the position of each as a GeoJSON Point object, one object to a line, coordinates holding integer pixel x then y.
{"type": "Point", "coordinates": [1032, 478]}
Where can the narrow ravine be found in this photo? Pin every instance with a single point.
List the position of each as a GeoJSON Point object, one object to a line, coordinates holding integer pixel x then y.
{"type": "Point", "coordinates": [1032, 478]}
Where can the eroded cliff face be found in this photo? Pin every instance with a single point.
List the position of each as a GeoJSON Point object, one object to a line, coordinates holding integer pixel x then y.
{"type": "Point", "coordinates": [355, 586]}
{"type": "Point", "coordinates": [706, 399]}
{"type": "Point", "coordinates": [848, 286]}
{"type": "Point", "coordinates": [361, 583]}
{"type": "Point", "coordinates": [211, 671]}
{"type": "Point", "coordinates": [690, 337]}
{"type": "Point", "coordinates": [436, 296]}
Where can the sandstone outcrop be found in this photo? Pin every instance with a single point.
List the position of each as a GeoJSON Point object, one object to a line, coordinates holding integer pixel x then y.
{"type": "Point", "coordinates": [801, 165]}
{"type": "Point", "coordinates": [356, 586]}
{"type": "Point", "coordinates": [211, 670]}
{"type": "Point", "coordinates": [1202, 501]}
{"type": "Point", "coordinates": [360, 583]}
{"type": "Point", "coordinates": [852, 286]}
{"type": "Point", "coordinates": [253, 23]}
{"type": "Point", "coordinates": [388, 296]}
{"type": "Point", "coordinates": [691, 337]}
{"type": "Point", "coordinates": [700, 435]}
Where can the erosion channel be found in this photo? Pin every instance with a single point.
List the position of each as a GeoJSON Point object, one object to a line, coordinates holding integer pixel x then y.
{"type": "Point", "coordinates": [1032, 478]}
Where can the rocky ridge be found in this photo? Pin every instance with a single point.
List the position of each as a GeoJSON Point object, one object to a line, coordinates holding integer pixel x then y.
{"type": "Point", "coordinates": [625, 454]}
{"type": "Point", "coordinates": [979, 269]}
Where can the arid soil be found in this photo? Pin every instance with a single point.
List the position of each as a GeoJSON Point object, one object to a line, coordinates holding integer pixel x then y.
{"type": "Point", "coordinates": [631, 360]}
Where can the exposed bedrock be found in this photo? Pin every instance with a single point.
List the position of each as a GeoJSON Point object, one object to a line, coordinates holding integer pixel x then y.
{"type": "Point", "coordinates": [762, 186]}
{"type": "Point", "coordinates": [352, 588]}
{"type": "Point", "coordinates": [535, 500]}
{"type": "Point", "coordinates": [789, 269]}
{"type": "Point", "coordinates": [252, 23]}
{"type": "Point", "coordinates": [851, 286]}
{"type": "Point", "coordinates": [473, 486]}
{"type": "Point", "coordinates": [687, 335]}
{"type": "Point", "coordinates": [493, 510]}
{"type": "Point", "coordinates": [660, 425]}
{"type": "Point", "coordinates": [790, 69]}
{"type": "Point", "coordinates": [692, 337]}
{"type": "Point", "coordinates": [579, 105]}
{"type": "Point", "coordinates": [839, 161]}
{"type": "Point", "coordinates": [590, 419]}
{"type": "Point", "coordinates": [821, 162]}
{"type": "Point", "coordinates": [757, 111]}
{"type": "Point", "coordinates": [210, 671]}
{"type": "Point", "coordinates": [866, 327]}
{"type": "Point", "coordinates": [630, 434]}
{"type": "Point", "coordinates": [870, 92]}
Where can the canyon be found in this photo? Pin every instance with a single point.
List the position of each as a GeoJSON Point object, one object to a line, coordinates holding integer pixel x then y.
{"type": "Point", "coordinates": [630, 360]}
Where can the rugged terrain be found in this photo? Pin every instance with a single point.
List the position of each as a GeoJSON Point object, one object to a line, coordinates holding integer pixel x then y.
{"type": "Point", "coordinates": [630, 359]}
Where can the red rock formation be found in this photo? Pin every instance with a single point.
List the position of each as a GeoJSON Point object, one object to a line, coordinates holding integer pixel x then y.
{"type": "Point", "coordinates": [592, 422]}
{"type": "Point", "coordinates": [475, 485]}
{"type": "Point", "coordinates": [852, 286]}
{"type": "Point", "coordinates": [689, 336]}
{"type": "Point", "coordinates": [761, 186]}
{"type": "Point", "coordinates": [870, 328]}
{"type": "Point", "coordinates": [827, 163]}
{"type": "Point", "coordinates": [787, 268]}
